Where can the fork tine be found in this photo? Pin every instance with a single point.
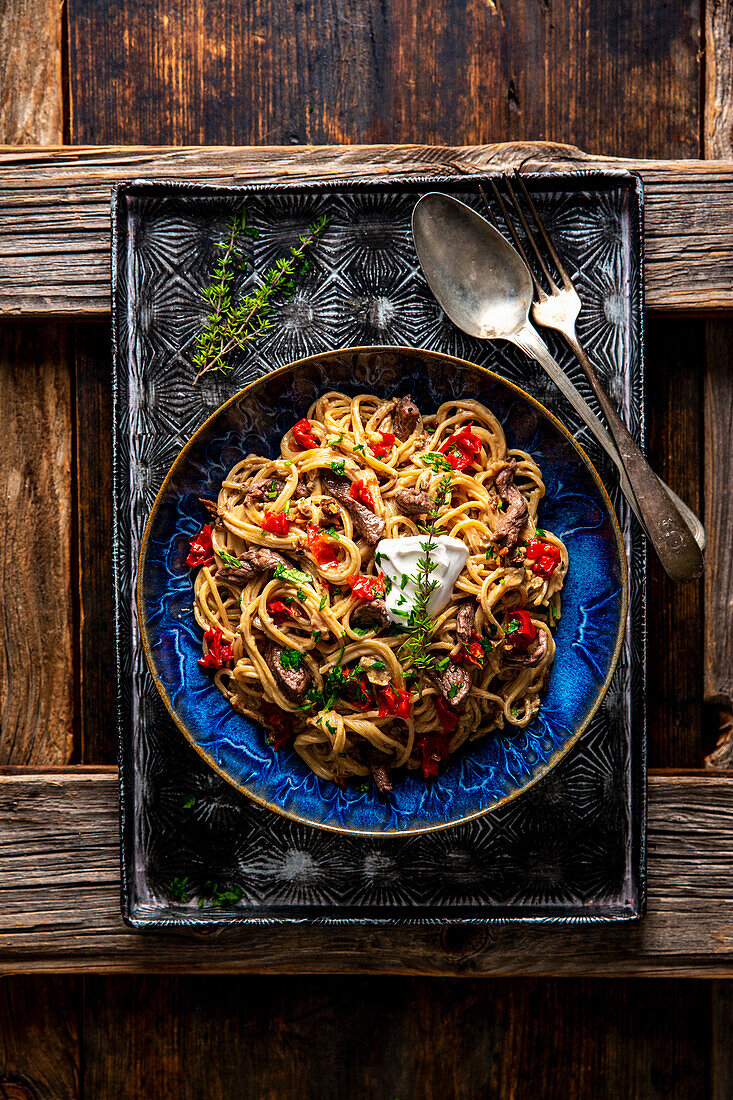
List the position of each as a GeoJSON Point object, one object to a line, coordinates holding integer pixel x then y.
{"type": "Point", "coordinates": [531, 237]}
{"type": "Point", "coordinates": [510, 226]}
{"type": "Point", "coordinates": [562, 270]}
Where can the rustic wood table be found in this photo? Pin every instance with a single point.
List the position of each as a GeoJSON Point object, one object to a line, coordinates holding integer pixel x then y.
{"type": "Point", "coordinates": [176, 89]}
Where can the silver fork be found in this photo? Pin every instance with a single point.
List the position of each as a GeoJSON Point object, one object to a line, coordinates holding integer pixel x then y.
{"type": "Point", "coordinates": [559, 310]}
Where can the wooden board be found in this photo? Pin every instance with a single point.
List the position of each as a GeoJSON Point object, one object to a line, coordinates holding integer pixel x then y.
{"type": "Point", "coordinates": [31, 85]}
{"type": "Point", "coordinates": [36, 647]}
{"type": "Point", "coordinates": [409, 1038]}
{"type": "Point", "coordinates": [674, 367]}
{"type": "Point", "coordinates": [54, 210]}
{"type": "Point", "coordinates": [59, 910]}
{"type": "Point", "coordinates": [39, 1038]}
{"type": "Point", "coordinates": [448, 71]}
{"type": "Point", "coordinates": [718, 101]}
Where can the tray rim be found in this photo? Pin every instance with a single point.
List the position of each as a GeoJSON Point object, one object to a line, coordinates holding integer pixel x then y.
{"type": "Point", "coordinates": [603, 179]}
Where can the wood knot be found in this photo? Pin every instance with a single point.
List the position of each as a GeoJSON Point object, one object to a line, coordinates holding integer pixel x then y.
{"type": "Point", "coordinates": [17, 1088]}
{"type": "Point", "coordinates": [461, 941]}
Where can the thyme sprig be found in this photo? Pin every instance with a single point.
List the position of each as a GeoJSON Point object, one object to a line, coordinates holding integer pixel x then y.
{"type": "Point", "coordinates": [421, 623]}
{"type": "Point", "coordinates": [234, 323]}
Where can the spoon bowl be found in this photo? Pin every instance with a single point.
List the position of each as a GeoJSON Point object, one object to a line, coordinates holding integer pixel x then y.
{"type": "Point", "coordinates": [477, 277]}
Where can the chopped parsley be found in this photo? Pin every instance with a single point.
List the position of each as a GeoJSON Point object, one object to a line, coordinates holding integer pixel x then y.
{"type": "Point", "coordinates": [291, 658]}
{"type": "Point", "coordinates": [387, 585]}
{"type": "Point", "coordinates": [454, 689]}
{"type": "Point", "coordinates": [378, 557]}
{"type": "Point", "coordinates": [179, 888]}
{"type": "Point", "coordinates": [335, 442]}
{"type": "Point", "coordinates": [405, 581]}
{"type": "Point", "coordinates": [295, 576]}
{"type": "Point", "coordinates": [378, 664]}
{"type": "Point", "coordinates": [360, 448]}
{"type": "Point", "coordinates": [322, 603]}
{"type": "Point", "coordinates": [272, 492]}
{"type": "Point", "coordinates": [190, 801]}
{"type": "Point", "coordinates": [331, 530]}
{"type": "Point", "coordinates": [490, 553]}
{"type": "Point", "coordinates": [360, 630]}
{"type": "Point", "coordinates": [514, 712]}
{"type": "Point", "coordinates": [486, 645]}
{"type": "Point", "coordinates": [437, 461]}
{"type": "Point", "coordinates": [540, 532]}
{"type": "Point", "coordinates": [235, 562]}
{"type": "Point", "coordinates": [554, 612]}
{"type": "Point", "coordinates": [443, 664]}
{"type": "Point", "coordinates": [316, 636]}
{"type": "Point", "coordinates": [512, 626]}
{"type": "Point", "coordinates": [339, 466]}
{"type": "Point", "coordinates": [286, 509]}
{"type": "Point", "coordinates": [219, 895]}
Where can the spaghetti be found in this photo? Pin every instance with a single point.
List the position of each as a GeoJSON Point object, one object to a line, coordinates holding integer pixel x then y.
{"type": "Point", "coordinates": [291, 597]}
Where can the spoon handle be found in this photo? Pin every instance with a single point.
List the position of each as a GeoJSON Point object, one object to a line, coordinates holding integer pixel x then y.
{"type": "Point", "coordinates": [669, 534]}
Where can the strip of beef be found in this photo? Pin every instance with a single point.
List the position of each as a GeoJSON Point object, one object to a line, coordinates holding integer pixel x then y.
{"type": "Point", "coordinates": [369, 526]}
{"type": "Point", "coordinates": [210, 505]}
{"type": "Point", "coordinates": [251, 564]}
{"type": "Point", "coordinates": [381, 778]}
{"type": "Point", "coordinates": [293, 682]}
{"type": "Point", "coordinates": [454, 685]}
{"type": "Point", "coordinates": [411, 502]}
{"type": "Point", "coordinates": [262, 490]}
{"type": "Point", "coordinates": [520, 658]}
{"type": "Point", "coordinates": [514, 517]}
{"type": "Point", "coordinates": [465, 620]}
{"type": "Point", "coordinates": [405, 417]}
{"type": "Point", "coordinates": [371, 613]}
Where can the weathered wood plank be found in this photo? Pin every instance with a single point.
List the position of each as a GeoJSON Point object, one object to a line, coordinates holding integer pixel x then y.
{"type": "Point", "coordinates": [59, 902]}
{"type": "Point", "coordinates": [459, 71]}
{"type": "Point", "coordinates": [721, 1077]}
{"type": "Point", "coordinates": [718, 639]}
{"type": "Point", "coordinates": [413, 1038]}
{"type": "Point", "coordinates": [36, 647]}
{"type": "Point", "coordinates": [718, 116]}
{"type": "Point", "coordinates": [674, 666]}
{"type": "Point", "coordinates": [54, 210]}
{"type": "Point", "coordinates": [31, 91]}
{"type": "Point", "coordinates": [97, 662]}
{"type": "Point", "coordinates": [39, 1038]}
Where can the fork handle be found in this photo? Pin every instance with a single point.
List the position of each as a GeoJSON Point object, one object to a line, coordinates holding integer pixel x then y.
{"type": "Point", "coordinates": [669, 534]}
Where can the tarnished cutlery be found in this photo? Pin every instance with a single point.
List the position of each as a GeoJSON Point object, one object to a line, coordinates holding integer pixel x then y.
{"type": "Point", "coordinates": [486, 288]}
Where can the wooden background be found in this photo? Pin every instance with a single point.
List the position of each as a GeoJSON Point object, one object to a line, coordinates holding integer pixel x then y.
{"type": "Point", "coordinates": [631, 78]}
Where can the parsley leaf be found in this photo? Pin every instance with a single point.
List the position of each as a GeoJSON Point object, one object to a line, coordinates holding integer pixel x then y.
{"type": "Point", "coordinates": [339, 466]}
{"type": "Point", "coordinates": [454, 689]}
{"type": "Point", "coordinates": [322, 603]}
{"type": "Point", "coordinates": [234, 562]}
{"type": "Point", "coordinates": [540, 532]}
{"type": "Point", "coordinates": [295, 576]}
{"type": "Point", "coordinates": [190, 801]}
{"type": "Point", "coordinates": [291, 658]}
{"type": "Point", "coordinates": [437, 461]}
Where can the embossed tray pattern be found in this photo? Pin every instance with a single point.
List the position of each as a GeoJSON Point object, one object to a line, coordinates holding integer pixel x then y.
{"type": "Point", "coordinates": [570, 848]}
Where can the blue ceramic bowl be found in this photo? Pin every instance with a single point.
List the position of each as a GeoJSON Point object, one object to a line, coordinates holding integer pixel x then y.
{"type": "Point", "coordinates": [487, 773]}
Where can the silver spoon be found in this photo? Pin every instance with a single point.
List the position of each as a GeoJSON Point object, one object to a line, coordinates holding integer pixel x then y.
{"type": "Point", "coordinates": [485, 288]}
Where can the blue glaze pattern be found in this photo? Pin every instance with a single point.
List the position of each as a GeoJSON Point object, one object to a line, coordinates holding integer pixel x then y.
{"type": "Point", "coordinates": [487, 772]}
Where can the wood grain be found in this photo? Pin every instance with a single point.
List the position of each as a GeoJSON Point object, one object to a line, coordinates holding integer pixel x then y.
{"type": "Point", "coordinates": [36, 648]}
{"type": "Point", "coordinates": [411, 1038]}
{"type": "Point", "coordinates": [54, 210]}
{"type": "Point", "coordinates": [718, 131]}
{"type": "Point", "coordinates": [31, 90]}
{"type": "Point", "coordinates": [442, 71]}
{"type": "Point", "coordinates": [718, 643]}
{"type": "Point", "coordinates": [674, 367]}
{"type": "Point", "coordinates": [721, 1041]}
{"type": "Point", "coordinates": [97, 662]}
{"type": "Point", "coordinates": [59, 902]}
{"type": "Point", "coordinates": [39, 1038]}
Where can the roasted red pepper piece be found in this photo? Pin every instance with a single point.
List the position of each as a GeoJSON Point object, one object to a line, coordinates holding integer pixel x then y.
{"type": "Point", "coordinates": [473, 653]}
{"type": "Point", "coordinates": [303, 435]}
{"type": "Point", "coordinates": [366, 588]}
{"type": "Point", "coordinates": [383, 448]}
{"type": "Point", "coordinates": [321, 548]}
{"type": "Point", "coordinates": [277, 523]}
{"type": "Point", "coordinates": [201, 552]}
{"type": "Point", "coordinates": [433, 750]}
{"type": "Point", "coordinates": [280, 723]}
{"type": "Point", "coordinates": [278, 611]}
{"type": "Point", "coordinates": [447, 718]}
{"type": "Point", "coordinates": [544, 557]}
{"type": "Point", "coordinates": [359, 490]}
{"type": "Point", "coordinates": [461, 447]}
{"type": "Point", "coordinates": [217, 652]}
{"type": "Point", "coordinates": [520, 630]}
{"type": "Point", "coordinates": [395, 701]}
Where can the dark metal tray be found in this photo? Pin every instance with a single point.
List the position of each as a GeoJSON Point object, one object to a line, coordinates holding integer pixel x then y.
{"type": "Point", "coordinates": [572, 848]}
